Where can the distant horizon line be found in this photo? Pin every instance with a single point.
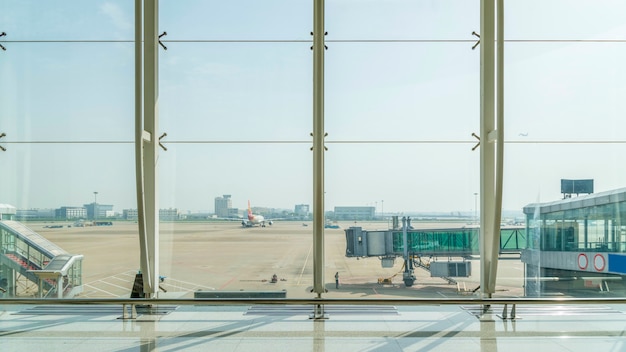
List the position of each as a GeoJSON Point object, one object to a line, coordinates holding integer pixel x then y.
{"type": "Point", "coordinates": [446, 213]}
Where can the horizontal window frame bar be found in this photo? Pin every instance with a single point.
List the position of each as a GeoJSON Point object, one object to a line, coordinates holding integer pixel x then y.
{"type": "Point", "coordinates": [310, 41]}
{"type": "Point", "coordinates": [314, 301]}
{"type": "Point", "coordinates": [326, 142]}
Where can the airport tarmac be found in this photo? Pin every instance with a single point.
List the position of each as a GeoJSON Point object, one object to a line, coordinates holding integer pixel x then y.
{"type": "Point", "coordinates": [207, 256]}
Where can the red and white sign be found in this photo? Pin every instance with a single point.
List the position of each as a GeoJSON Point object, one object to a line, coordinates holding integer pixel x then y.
{"type": "Point", "coordinates": [583, 261]}
{"type": "Point", "coordinates": [599, 263]}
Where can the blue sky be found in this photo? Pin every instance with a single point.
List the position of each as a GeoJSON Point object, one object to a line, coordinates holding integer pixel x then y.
{"type": "Point", "coordinates": [558, 93]}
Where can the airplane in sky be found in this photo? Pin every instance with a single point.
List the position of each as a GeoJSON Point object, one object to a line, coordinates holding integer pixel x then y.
{"type": "Point", "coordinates": [255, 220]}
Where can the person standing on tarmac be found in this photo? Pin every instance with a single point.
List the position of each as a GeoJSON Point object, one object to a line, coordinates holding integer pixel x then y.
{"type": "Point", "coordinates": [337, 280]}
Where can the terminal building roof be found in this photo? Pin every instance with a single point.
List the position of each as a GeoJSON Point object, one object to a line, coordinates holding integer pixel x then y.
{"type": "Point", "coordinates": [579, 203]}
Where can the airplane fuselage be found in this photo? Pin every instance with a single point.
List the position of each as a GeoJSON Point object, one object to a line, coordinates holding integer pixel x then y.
{"type": "Point", "coordinates": [256, 219]}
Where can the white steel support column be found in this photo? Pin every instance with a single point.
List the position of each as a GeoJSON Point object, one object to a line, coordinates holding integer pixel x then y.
{"type": "Point", "coordinates": [499, 135]}
{"type": "Point", "coordinates": [147, 142]}
{"type": "Point", "coordinates": [491, 150]}
{"type": "Point", "coordinates": [143, 246]}
{"type": "Point", "coordinates": [318, 147]}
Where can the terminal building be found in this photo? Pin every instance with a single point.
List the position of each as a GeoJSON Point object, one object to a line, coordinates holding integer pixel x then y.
{"type": "Point", "coordinates": [98, 211]}
{"type": "Point", "coordinates": [69, 213]}
{"type": "Point", "coordinates": [576, 243]}
{"type": "Point", "coordinates": [355, 213]}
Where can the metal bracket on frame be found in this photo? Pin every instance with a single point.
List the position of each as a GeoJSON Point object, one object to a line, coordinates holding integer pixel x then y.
{"type": "Point", "coordinates": [1, 46]}
{"type": "Point", "coordinates": [1, 147]}
{"type": "Point", "coordinates": [325, 135]}
{"type": "Point", "coordinates": [160, 144]}
{"type": "Point", "coordinates": [161, 43]}
{"type": "Point", "coordinates": [325, 46]}
{"type": "Point", "coordinates": [477, 144]}
{"type": "Point", "coordinates": [478, 42]}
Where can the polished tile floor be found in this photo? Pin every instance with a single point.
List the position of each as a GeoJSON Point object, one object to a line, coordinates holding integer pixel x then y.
{"type": "Point", "coordinates": [289, 328]}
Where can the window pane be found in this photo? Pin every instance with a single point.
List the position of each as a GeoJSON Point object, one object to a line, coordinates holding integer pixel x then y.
{"type": "Point", "coordinates": [564, 92]}
{"type": "Point", "coordinates": [269, 175]}
{"type": "Point", "coordinates": [55, 189]}
{"type": "Point", "coordinates": [533, 171]}
{"type": "Point", "coordinates": [236, 92]}
{"type": "Point", "coordinates": [68, 92]}
{"type": "Point", "coordinates": [564, 19]}
{"type": "Point", "coordinates": [68, 20]}
{"type": "Point", "coordinates": [434, 184]}
{"type": "Point", "coordinates": [204, 249]}
{"type": "Point", "coordinates": [402, 19]}
{"type": "Point", "coordinates": [239, 19]}
{"type": "Point", "coordinates": [402, 92]}
{"type": "Point", "coordinates": [67, 174]}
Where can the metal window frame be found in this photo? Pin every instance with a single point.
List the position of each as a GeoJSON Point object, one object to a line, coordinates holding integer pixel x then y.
{"type": "Point", "coordinates": [146, 142]}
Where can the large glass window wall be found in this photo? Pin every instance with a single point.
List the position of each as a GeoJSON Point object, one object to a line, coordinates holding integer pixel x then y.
{"type": "Point", "coordinates": [235, 99]}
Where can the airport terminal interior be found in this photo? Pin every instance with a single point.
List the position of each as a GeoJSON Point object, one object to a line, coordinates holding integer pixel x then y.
{"type": "Point", "coordinates": [310, 175]}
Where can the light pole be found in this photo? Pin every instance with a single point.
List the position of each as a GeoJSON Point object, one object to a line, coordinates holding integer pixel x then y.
{"type": "Point", "coordinates": [476, 207]}
{"type": "Point", "coordinates": [95, 205]}
{"type": "Point", "coordinates": [375, 208]}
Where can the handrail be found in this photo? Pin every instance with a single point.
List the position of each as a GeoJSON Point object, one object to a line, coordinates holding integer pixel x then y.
{"type": "Point", "coordinates": [313, 301]}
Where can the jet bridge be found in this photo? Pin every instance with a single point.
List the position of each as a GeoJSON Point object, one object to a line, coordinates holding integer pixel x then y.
{"type": "Point", "coordinates": [447, 242]}
{"type": "Point", "coordinates": [387, 245]}
{"type": "Point", "coordinates": [26, 256]}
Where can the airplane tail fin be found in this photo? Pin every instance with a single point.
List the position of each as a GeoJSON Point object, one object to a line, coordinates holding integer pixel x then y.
{"type": "Point", "coordinates": [249, 209]}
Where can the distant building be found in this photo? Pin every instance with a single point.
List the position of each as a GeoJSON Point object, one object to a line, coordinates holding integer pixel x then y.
{"type": "Point", "coordinates": [302, 210]}
{"type": "Point", "coordinates": [233, 212]}
{"type": "Point", "coordinates": [68, 213]}
{"type": "Point", "coordinates": [355, 213]}
{"type": "Point", "coordinates": [99, 210]}
{"type": "Point", "coordinates": [7, 212]}
{"type": "Point", "coordinates": [169, 214]}
{"type": "Point", "coordinates": [222, 205]}
{"type": "Point", "coordinates": [130, 214]}
{"type": "Point", "coordinates": [197, 216]}
{"type": "Point", "coordinates": [34, 214]}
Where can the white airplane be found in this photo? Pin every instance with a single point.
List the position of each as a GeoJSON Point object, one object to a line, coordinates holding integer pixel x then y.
{"type": "Point", "coordinates": [254, 220]}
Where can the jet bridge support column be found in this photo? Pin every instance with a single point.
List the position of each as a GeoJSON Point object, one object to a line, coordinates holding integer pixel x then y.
{"type": "Point", "coordinates": [407, 276]}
